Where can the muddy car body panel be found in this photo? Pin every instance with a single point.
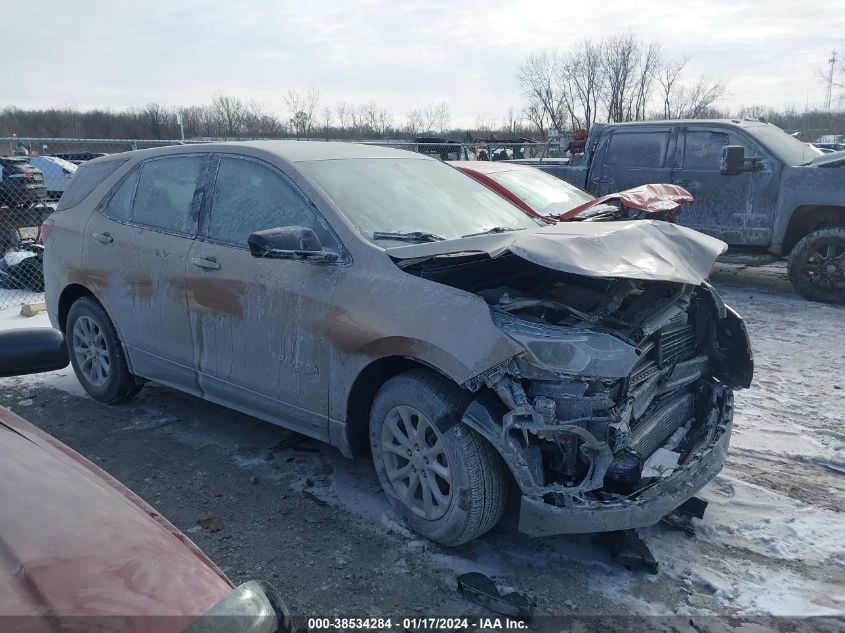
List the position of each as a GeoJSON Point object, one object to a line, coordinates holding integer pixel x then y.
{"type": "Point", "coordinates": [542, 328]}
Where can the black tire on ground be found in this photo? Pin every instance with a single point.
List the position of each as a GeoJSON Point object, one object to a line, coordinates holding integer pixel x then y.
{"type": "Point", "coordinates": [477, 490]}
{"type": "Point", "coordinates": [118, 384]}
{"type": "Point", "coordinates": [816, 265]}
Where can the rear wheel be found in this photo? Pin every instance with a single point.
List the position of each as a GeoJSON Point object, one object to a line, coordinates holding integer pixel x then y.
{"type": "Point", "coordinates": [441, 477]}
{"type": "Point", "coordinates": [816, 265]}
{"type": "Point", "coordinates": [97, 355]}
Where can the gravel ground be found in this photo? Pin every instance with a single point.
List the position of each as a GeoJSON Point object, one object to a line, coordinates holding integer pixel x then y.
{"type": "Point", "coordinates": [314, 523]}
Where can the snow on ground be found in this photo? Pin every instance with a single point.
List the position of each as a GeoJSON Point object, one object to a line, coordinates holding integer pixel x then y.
{"type": "Point", "coordinates": [11, 319]}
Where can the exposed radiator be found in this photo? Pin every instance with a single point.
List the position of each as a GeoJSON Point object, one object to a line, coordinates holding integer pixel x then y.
{"type": "Point", "coordinates": [652, 431]}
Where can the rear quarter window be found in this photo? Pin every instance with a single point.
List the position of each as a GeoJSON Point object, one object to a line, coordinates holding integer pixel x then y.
{"type": "Point", "coordinates": [85, 180]}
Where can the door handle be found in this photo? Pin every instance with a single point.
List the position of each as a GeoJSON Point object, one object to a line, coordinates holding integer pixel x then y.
{"type": "Point", "coordinates": [208, 263]}
{"type": "Point", "coordinates": [686, 183]}
{"type": "Point", "coordinates": [103, 238]}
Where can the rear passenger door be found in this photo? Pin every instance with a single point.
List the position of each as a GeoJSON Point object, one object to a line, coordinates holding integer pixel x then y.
{"type": "Point", "coordinates": [135, 250]}
{"type": "Point", "coordinates": [259, 325]}
{"type": "Point", "coordinates": [630, 157]}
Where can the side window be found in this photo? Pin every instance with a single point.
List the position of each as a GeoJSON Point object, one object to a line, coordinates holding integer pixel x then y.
{"type": "Point", "coordinates": [166, 190]}
{"type": "Point", "coordinates": [249, 197]}
{"type": "Point", "coordinates": [703, 149]}
{"type": "Point", "coordinates": [120, 205]}
{"type": "Point", "coordinates": [638, 149]}
{"type": "Point", "coordinates": [85, 180]}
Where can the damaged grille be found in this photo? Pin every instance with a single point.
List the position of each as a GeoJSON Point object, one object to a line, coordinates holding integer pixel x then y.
{"type": "Point", "coordinates": [671, 344]}
{"type": "Point", "coordinates": [674, 344]}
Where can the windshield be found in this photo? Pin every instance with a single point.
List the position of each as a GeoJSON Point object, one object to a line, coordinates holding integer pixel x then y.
{"type": "Point", "coordinates": [787, 147]}
{"type": "Point", "coordinates": [412, 196]}
{"type": "Point", "coordinates": [544, 193]}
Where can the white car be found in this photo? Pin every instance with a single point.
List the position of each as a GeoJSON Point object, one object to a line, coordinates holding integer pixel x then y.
{"type": "Point", "coordinates": [57, 173]}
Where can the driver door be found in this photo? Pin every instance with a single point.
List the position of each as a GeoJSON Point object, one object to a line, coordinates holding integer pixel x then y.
{"type": "Point", "coordinates": [737, 208]}
{"type": "Point", "coordinates": [259, 324]}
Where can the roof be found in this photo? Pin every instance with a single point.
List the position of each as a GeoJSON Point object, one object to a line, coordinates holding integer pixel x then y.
{"type": "Point", "coordinates": [292, 151]}
{"type": "Point", "coordinates": [733, 122]}
{"type": "Point", "coordinates": [487, 166]}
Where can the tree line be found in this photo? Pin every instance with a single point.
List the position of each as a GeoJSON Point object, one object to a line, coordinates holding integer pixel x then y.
{"type": "Point", "coordinates": [228, 116]}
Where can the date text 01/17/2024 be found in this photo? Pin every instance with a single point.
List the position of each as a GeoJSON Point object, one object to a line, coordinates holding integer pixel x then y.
{"type": "Point", "coordinates": [418, 623]}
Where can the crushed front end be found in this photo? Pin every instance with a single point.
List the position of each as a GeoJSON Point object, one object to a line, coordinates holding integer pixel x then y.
{"type": "Point", "coordinates": [620, 407]}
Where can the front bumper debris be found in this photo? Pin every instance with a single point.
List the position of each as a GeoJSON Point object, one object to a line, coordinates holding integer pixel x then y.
{"type": "Point", "coordinates": [538, 518]}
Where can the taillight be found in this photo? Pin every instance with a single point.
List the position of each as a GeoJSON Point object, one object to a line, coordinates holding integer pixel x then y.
{"type": "Point", "coordinates": [46, 229]}
{"type": "Point", "coordinates": [29, 175]}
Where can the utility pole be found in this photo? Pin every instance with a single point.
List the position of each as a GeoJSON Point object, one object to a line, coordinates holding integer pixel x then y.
{"type": "Point", "coordinates": [828, 95]}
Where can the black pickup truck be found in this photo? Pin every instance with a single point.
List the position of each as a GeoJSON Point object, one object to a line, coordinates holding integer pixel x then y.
{"type": "Point", "coordinates": [762, 191]}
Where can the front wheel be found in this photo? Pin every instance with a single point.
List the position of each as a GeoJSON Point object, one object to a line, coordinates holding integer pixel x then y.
{"type": "Point", "coordinates": [816, 265]}
{"type": "Point", "coordinates": [440, 476]}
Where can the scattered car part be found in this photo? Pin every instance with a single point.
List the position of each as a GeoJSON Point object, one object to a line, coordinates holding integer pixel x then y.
{"type": "Point", "coordinates": [478, 588]}
{"type": "Point", "coordinates": [628, 549]}
{"type": "Point", "coordinates": [680, 518]}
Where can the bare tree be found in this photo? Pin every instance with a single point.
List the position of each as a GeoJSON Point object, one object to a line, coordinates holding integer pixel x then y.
{"type": "Point", "coordinates": [536, 116]}
{"type": "Point", "coordinates": [302, 109]}
{"type": "Point", "coordinates": [693, 100]}
{"type": "Point", "coordinates": [539, 79]}
{"type": "Point", "coordinates": [385, 122]}
{"type": "Point", "coordinates": [344, 114]}
{"type": "Point", "coordinates": [414, 123]}
{"type": "Point", "coordinates": [668, 76]}
{"type": "Point", "coordinates": [437, 116]}
{"type": "Point", "coordinates": [327, 118]}
{"type": "Point", "coordinates": [484, 123]}
{"type": "Point", "coordinates": [581, 83]}
{"type": "Point", "coordinates": [228, 114]}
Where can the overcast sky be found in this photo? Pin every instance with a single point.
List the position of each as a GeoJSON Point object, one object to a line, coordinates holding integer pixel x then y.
{"type": "Point", "coordinates": [401, 54]}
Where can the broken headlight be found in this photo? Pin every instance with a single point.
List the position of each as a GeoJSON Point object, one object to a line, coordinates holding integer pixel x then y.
{"type": "Point", "coordinates": [569, 350]}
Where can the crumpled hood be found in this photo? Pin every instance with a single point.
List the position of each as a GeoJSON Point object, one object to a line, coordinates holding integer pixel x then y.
{"type": "Point", "coordinates": [636, 249]}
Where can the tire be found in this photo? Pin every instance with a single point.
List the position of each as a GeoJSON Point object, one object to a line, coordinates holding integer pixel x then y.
{"type": "Point", "coordinates": [816, 266]}
{"type": "Point", "coordinates": [474, 499]}
{"type": "Point", "coordinates": [88, 326]}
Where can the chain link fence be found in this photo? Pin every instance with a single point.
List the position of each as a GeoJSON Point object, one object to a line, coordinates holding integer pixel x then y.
{"type": "Point", "coordinates": [34, 172]}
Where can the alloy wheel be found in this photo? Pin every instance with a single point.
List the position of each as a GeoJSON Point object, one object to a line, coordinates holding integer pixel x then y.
{"type": "Point", "coordinates": [415, 459]}
{"type": "Point", "coordinates": [91, 352]}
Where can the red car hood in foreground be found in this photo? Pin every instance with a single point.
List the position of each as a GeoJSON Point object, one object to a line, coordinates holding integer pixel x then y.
{"type": "Point", "coordinates": [76, 542]}
{"type": "Point", "coordinates": [647, 198]}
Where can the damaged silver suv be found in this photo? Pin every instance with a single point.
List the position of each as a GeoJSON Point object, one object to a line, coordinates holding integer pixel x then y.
{"type": "Point", "coordinates": [386, 303]}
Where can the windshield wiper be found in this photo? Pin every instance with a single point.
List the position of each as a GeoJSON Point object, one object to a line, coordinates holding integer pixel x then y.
{"type": "Point", "coordinates": [409, 236]}
{"type": "Point", "coordinates": [495, 229]}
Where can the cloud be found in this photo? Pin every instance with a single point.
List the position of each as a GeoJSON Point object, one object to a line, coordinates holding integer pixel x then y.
{"type": "Point", "coordinates": [402, 55]}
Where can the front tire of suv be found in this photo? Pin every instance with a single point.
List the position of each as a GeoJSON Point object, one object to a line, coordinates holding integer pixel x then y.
{"type": "Point", "coordinates": [816, 266]}
{"type": "Point", "coordinates": [97, 354]}
{"type": "Point", "coordinates": [440, 476]}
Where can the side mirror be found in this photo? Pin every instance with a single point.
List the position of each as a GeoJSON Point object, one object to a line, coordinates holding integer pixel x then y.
{"type": "Point", "coordinates": [733, 160]}
{"type": "Point", "coordinates": [32, 351]}
{"type": "Point", "coordinates": [289, 242]}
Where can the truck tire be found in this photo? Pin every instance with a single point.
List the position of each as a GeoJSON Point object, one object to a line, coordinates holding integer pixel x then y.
{"type": "Point", "coordinates": [97, 354]}
{"type": "Point", "coordinates": [444, 480]}
{"type": "Point", "coordinates": [816, 265]}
